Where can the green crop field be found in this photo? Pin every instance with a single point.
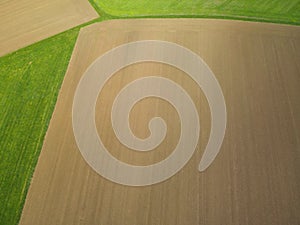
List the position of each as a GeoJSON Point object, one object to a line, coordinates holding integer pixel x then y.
{"type": "Point", "coordinates": [29, 84]}
{"type": "Point", "coordinates": [278, 11]}
{"type": "Point", "coordinates": [30, 80]}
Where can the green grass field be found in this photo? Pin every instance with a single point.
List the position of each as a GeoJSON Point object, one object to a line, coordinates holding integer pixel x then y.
{"type": "Point", "coordinates": [278, 11]}
{"type": "Point", "coordinates": [30, 80]}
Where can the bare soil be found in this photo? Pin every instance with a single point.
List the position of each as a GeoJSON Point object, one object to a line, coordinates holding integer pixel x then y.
{"type": "Point", "coordinates": [255, 178]}
{"type": "Point", "coordinates": [25, 22]}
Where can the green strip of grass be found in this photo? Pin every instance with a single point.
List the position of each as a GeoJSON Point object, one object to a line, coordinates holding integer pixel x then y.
{"type": "Point", "coordinates": [276, 11]}
{"type": "Point", "coordinates": [29, 82]}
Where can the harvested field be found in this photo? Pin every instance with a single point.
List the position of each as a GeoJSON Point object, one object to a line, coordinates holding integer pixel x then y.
{"type": "Point", "coordinates": [25, 22]}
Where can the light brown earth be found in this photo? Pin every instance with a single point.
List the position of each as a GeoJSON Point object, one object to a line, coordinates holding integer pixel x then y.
{"type": "Point", "coordinates": [255, 178]}
{"type": "Point", "coordinates": [25, 22]}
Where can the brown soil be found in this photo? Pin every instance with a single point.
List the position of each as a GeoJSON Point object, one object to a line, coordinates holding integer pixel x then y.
{"type": "Point", "coordinates": [25, 22]}
{"type": "Point", "coordinates": [255, 178]}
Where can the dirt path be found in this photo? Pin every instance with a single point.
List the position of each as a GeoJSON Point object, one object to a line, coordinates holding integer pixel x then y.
{"type": "Point", "coordinates": [25, 22]}
{"type": "Point", "coordinates": [253, 180]}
